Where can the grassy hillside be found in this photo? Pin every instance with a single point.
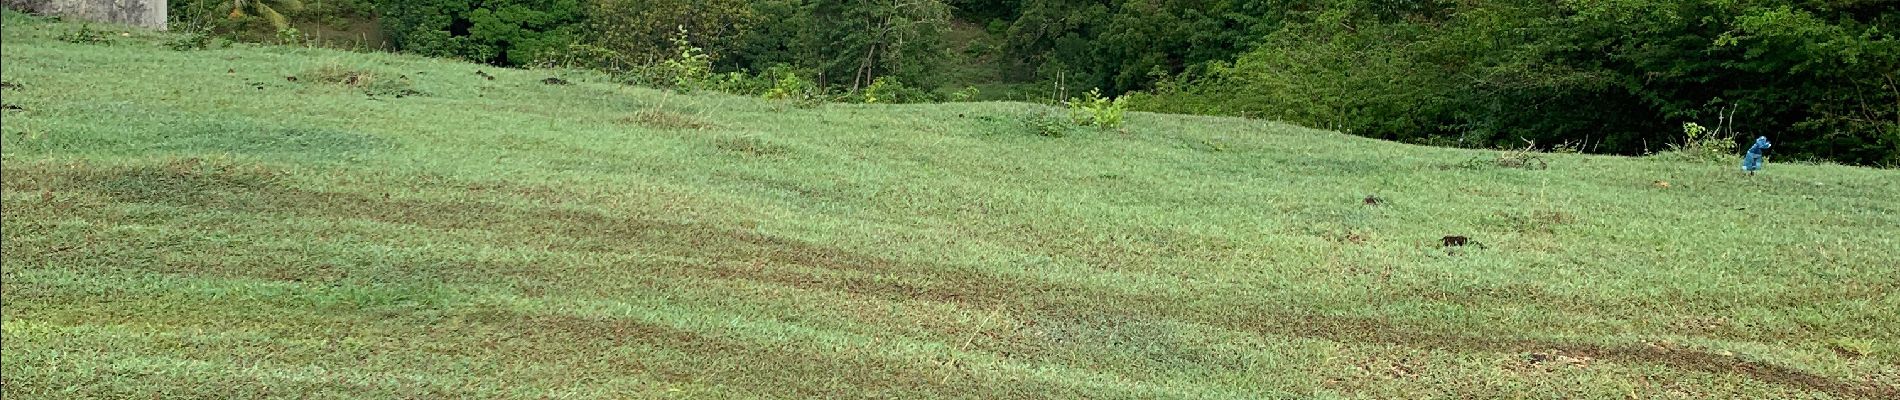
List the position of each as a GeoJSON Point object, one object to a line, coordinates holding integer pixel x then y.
{"type": "Point", "coordinates": [195, 224]}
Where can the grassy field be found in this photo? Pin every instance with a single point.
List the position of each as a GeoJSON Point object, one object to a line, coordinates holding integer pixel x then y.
{"type": "Point", "coordinates": [196, 224]}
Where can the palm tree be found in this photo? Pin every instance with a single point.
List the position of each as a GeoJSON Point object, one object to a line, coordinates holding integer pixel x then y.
{"type": "Point", "coordinates": [265, 8]}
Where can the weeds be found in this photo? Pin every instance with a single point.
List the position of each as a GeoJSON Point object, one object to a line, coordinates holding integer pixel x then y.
{"type": "Point", "coordinates": [968, 93]}
{"type": "Point", "coordinates": [190, 41]}
{"type": "Point", "coordinates": [688, 70]}
{"type": "Point", "coordinates": [1522, 158]}
{"type": "Point", "coordinates": [662, 119]}
{"type": "Point", "coordinates": [86, 35]}
{"type": "Point", "coordinates": [1048, 124]}
{"type": "Point", "coordinates": [370, 83]}
{"type": "Point", "coordinates": [290, 36]}
{"type": "Point", "coordinates": [789, 85]}
{"type": "Point", "coordinates": [1702, 144]}
{"type": "Point", "coordinates": [192, 35]}
{"type": "Point", "coordinates": [1097, 111]}
{"type": "Point", "coordinates": [1527, 158]}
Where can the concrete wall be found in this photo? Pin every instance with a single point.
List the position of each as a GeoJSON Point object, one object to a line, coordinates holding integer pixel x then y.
{"type": "Point", "coordinates": [145, 13]}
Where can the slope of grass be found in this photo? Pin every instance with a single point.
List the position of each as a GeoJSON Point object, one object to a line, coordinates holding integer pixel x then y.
{"type": "Point", "coordinates": [196, 224]}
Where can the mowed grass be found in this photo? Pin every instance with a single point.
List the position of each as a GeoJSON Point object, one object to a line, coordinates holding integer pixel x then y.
{"type": "Point", "coordinates": [184, 224]}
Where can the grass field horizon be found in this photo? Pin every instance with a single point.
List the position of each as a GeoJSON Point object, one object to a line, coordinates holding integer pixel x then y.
{"type": "Point", "coordinates": [285, 222]}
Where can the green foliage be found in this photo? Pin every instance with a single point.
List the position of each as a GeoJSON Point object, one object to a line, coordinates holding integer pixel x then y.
{"type": "Point", "coordinates": [1617, 75]}
{"type": "Point", "coordinates": [1048, 123]}
{"type": "Point", "coordinates": [86, 35]}
{"type": "Point", "coordinates": [788, 84]}
{"type": "Point", "coordinates": [1095, 110]}
{"type": "Point", "coordinates": [189, 36]}
{"type": "Point", "coordinates": [289, 36]}
{"type": "Point", "coordinates": [688, 69]}
{"type": "Point", "coordinates": [881, 90]}
{"type": "Point", "coordinates": [741, 83]}
{"type": "Point", "coordinates": [1703, 144]}
{"type": "Point", "coordinates": [1124, 45]}
{"type": "Point", "coordinates": [849, 44]}
{"type": "Point", "coordinates": [887, 89]}
{"type": "Point", "coordinates": [968, 93]}
{"type": "Point", "coordinates": [499, 32]}
{"type": "Point", "coordinates": [635, 33]}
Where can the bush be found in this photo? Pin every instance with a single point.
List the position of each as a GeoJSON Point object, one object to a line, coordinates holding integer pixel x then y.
{"type": "Point", "coordinates": [788, 84]}
{"type": "Point", "coordinates": [741, 83]}
{"type": "Point", "coordinates": [1097, 111]}
{"type": "Point", "coordinates": [1701, 144]}
{"type": "Point", "coordinates": [689, 67]}
{"type": "Point", "coordinates": [968, 93]}
{"type": "Point", "coordinates": [888, 89]}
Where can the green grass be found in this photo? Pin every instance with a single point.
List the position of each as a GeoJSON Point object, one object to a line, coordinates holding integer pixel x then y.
{"type": "Point", "coordinates": [185, 224]}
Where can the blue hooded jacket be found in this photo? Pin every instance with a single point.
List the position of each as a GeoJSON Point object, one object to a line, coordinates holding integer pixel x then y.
{"type": "Point", "coordinates": [1751, 162]}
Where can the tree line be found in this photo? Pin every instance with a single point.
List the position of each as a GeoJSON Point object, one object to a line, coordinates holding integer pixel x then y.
{"type": "Point", "coordinates": [1820, 77]}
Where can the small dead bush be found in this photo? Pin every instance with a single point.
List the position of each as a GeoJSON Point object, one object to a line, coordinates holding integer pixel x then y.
{"type": "Point", "coordinates": [1527, 157]}
{"type": "Point", "coordinates": [1524, 158]}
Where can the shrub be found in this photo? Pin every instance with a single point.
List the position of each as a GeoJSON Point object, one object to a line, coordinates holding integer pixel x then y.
{"type": "Point", "coordinates": [788, 84]}
{"type": "Point", "coordinates": [968, 93]}
{"type": "Point", "coordinates": [741, 83]}
{"type": "Point", "coordinates": [888, 89]}
{"type": "Point", "coordinates": [688, 69]}
{"type": "Point", "coordinates": [290, 36]}
{"type": "Point", "coordinates": [1098, 111]}
{"type": "Point", "coordinates": [1702, 144]}
{"type": "Point", "coordinates": [881, 89]}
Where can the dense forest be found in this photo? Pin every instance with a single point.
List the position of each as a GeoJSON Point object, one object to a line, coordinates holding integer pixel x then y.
{"type": "Point", "coordinates": [1819, 77]}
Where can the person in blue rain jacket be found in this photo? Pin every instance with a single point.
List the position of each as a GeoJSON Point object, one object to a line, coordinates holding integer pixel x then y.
{"type": "Point", "coordinates": [1752, 161]}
